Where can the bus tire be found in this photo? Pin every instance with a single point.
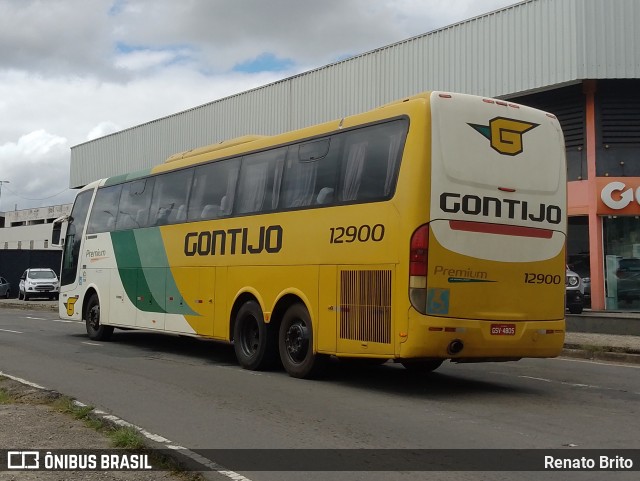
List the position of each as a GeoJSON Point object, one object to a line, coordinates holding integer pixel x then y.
{"type": "Point", "coordinates": [253, 341]}
{"type": "Point", "coordinates": [423, 365]}
{"type": "Point", "coordinates": [95, 330]}
{"type": "Point", "coordinates": [295, 343]}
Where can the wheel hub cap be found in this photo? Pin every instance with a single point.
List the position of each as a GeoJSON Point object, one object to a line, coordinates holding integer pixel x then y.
{"type": "Point", "coordinates": [297, 340]}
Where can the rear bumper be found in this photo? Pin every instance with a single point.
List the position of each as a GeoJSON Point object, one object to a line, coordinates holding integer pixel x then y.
{"type": "Point", "coordinates": [433, 337]}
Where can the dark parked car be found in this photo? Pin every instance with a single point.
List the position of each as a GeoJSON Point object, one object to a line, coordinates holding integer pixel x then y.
{"type": "Point", "coordinates": [628, 274]}
{"type": "Point", "coordinates": [574, 296]}
{"type": "Point", "coordinates": [580, 264]}
{"type": "Point", "coordinates": [5, 288]}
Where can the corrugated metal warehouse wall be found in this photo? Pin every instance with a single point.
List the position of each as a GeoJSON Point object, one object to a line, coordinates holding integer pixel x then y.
{"type": "Point", "coordinates": [525, 47]}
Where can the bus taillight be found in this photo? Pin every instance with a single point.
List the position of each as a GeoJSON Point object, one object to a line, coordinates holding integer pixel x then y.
{"type": "Point", "coordinates": [419, 249]}
{"type": "Point", "coordinates": [418, 261]}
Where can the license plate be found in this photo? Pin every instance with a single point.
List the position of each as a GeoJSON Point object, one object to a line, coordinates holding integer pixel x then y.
{"type": "Point", "coordinates": [503, 329]}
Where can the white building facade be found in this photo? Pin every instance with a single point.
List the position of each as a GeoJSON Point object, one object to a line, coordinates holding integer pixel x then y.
{"type": "Point", "coordinates": [30, 228]}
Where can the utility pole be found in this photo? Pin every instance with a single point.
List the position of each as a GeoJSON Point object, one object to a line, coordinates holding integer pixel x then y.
{"type": "Point", "coordinates": [2, 182]}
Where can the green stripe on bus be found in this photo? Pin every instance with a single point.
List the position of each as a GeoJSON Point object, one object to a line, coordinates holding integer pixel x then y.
{"type": "Point", "coordinates": [144, 247]}
{"type": "Point", "coordinates": [131, 272]}
{"type": "Point", "coordinates": [152, 253]}
{"type": "Point", "coordinates": [119, 179]}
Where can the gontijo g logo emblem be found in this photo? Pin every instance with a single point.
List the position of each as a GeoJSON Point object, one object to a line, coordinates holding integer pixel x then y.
{"type": "Point", "coordinates": [70, 304]}
{"type": "Point", "coordinates": [505, 134]}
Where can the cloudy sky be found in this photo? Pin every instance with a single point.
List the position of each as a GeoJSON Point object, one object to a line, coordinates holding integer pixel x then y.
{"type": "Point", "coordinates": [75, 70]}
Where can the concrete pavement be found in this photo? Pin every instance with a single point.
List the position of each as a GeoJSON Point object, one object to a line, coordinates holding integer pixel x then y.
{"type": "Point", "coordinates": [30, 422]}
{"type": "Point", "coordinates": [603, 335]}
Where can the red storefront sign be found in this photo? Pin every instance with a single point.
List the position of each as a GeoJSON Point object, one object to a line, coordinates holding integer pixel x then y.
{"type": "Point", "coordinates": [618, 195]}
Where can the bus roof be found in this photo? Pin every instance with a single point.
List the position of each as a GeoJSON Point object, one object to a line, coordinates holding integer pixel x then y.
{"type": "Point", "coordinates": [225, 144]}
{"type": "Point", "coordinates": [242, 144]}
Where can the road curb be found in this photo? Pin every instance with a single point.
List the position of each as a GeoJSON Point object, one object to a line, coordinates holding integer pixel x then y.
{"type": "Point", "coordinates": [32, 305]}
{"type": "Point", "coordinates": [599, 353]}
{"type": "Point", "coordinates": [165, 450]}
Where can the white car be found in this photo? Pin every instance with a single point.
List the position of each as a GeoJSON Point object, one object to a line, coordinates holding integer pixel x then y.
{"type": "Point", "coordinates": [38, 283]}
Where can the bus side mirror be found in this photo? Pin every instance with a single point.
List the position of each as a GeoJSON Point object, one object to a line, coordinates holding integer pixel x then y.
{"type": "Point", "coordinates": [56, 233]}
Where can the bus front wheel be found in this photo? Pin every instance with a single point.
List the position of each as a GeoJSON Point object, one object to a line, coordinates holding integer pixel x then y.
{"type": "Point", "coordinates": [296, 344]}
{"type": "Point", "coordinates": [253, 341]}
{"type": "Point", "coordinates": [95, 330]}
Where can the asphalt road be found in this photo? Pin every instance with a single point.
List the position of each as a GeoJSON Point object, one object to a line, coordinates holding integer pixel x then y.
{"type": "Point", "coordinates": [193, 393]}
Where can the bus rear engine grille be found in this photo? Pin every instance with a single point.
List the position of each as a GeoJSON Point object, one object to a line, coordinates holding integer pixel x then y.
{"type": "Point", "coordinates": [365, 305]}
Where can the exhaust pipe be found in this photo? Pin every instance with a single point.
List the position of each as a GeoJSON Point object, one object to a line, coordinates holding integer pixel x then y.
{"type": "Point", "coordinates": [455, 347]}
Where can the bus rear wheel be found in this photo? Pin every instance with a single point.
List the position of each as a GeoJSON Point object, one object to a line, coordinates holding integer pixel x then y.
{"type": "Point", "coordinates": [422, 365]}
{"type": "Point", "coordinates": [95, 330]}
{"type": "Point", "coordinates": [295, 342]}
{"type": "Point", "coordinates": [253, 341]}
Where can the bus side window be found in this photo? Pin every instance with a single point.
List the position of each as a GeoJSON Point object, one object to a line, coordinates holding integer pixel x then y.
{"type": "Point", "coordinates": [105, 210]}
{"type": "Point", "coordinates": [213, 189]}
{"type": "Point", "coordinates": [352, 172]}
{"type": "Point", "coordinates": [133, 211]}
{"type": "Point", "coordinates": [370, 162]}
{"type": "Point", "coordinates": [310, 173]}
{"type": "Point", "coordinates": [325, 196]}
{"type": "Point", "coordinates": [258, 185]}
{"type": "Point", "coordinates": [170, 193]}
{"type": "Point", "coordinates": [299, 179]}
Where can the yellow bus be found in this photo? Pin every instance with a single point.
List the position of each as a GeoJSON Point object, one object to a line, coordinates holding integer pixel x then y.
{"type": "Point", "coordinates": [428, 229]}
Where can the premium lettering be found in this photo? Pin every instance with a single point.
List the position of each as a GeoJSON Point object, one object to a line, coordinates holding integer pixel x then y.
{"type": "Point", "coordinates": [496, 208]}
{"type": "Point", "coordinates": [467, 273]}
{"type": "Point", "coordinates": [234, 241]}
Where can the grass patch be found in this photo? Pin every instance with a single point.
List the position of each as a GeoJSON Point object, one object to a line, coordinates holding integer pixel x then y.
{"type": "Point", "coordinates": [5, 397]}
{"type": "Point", "coordinates": [121, 437]}
{"type": "Point", "coordinates": [127, 438]}
{"type": "Point", "coordinates": [69, 406]}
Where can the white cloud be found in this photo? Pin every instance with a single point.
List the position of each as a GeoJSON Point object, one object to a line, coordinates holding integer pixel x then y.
{"type": "Point", "coordinates": [73, 70]}
{"type": "Point", "coordinates": [32, 146]}
{"type": "Point", "coordinates": [145, 59]}
{"type": "Point", "coordinates": [37, 168]}
{"type": "Point", "coordinates": [102, 129]}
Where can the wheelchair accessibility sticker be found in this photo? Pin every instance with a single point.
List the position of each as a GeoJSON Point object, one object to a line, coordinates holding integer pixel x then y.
{"type": "Point", "coordinates": [437, 301]}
